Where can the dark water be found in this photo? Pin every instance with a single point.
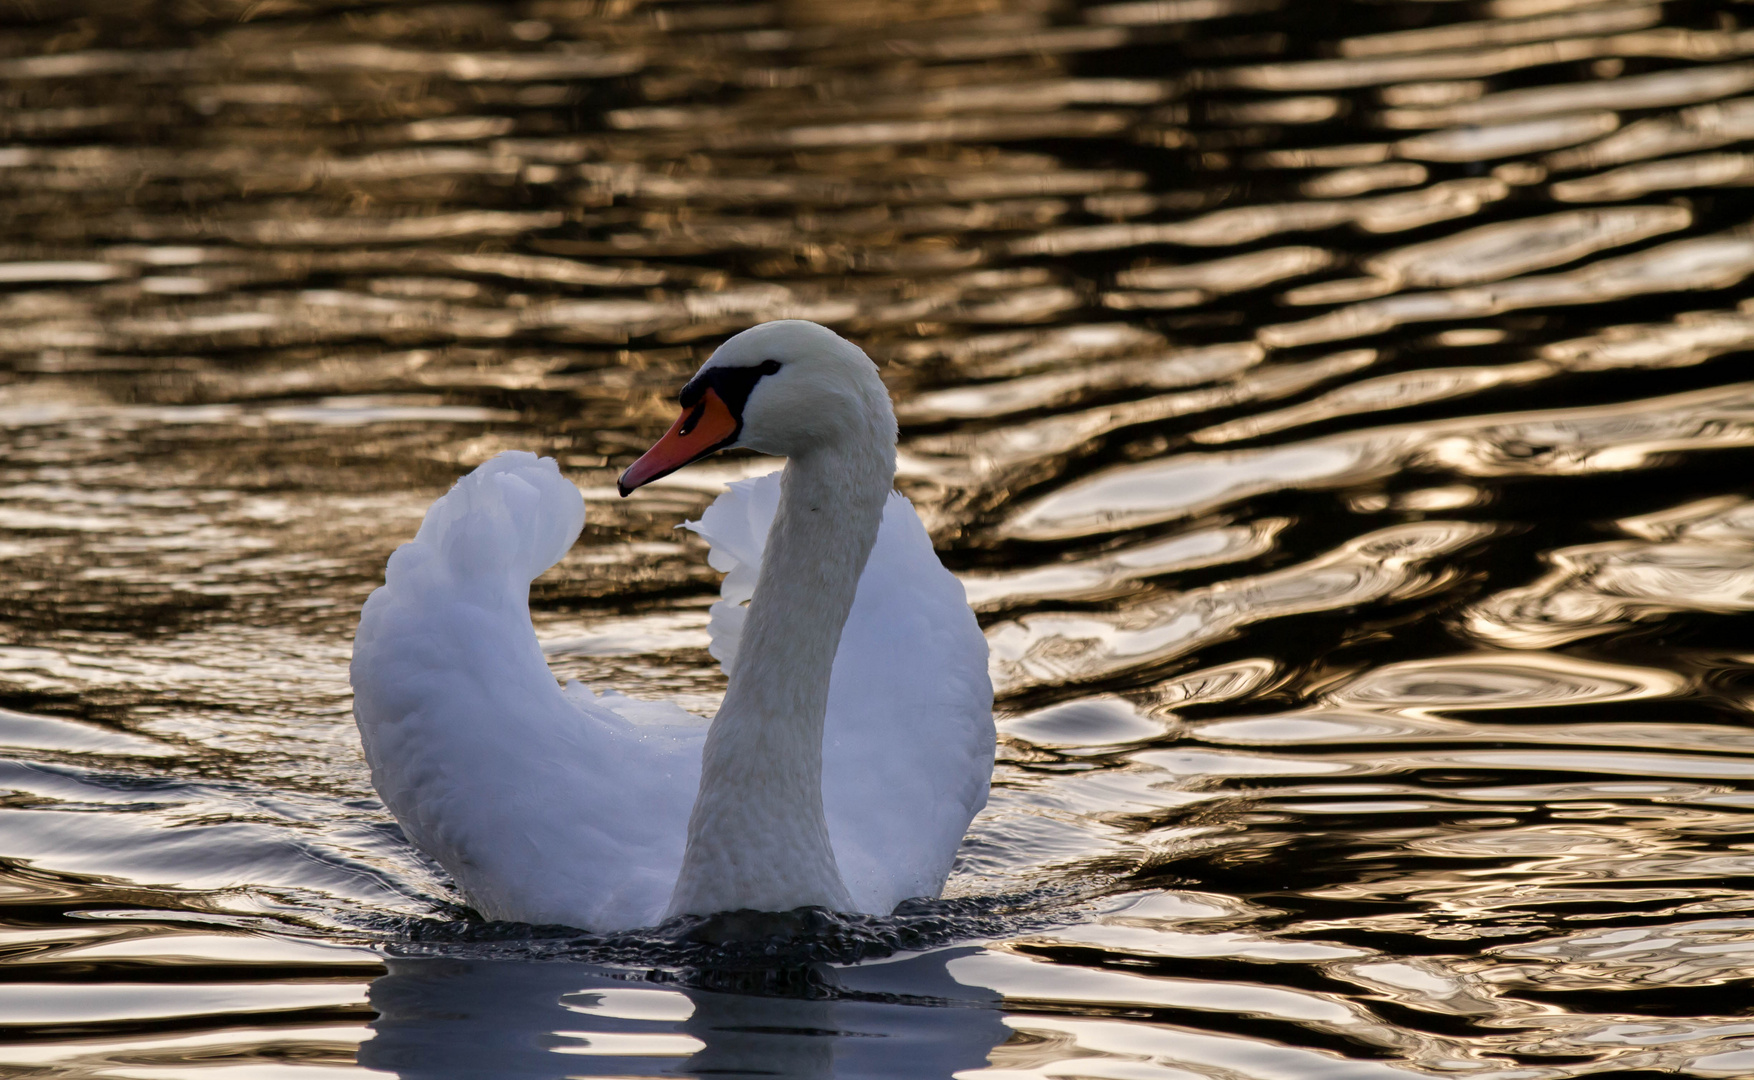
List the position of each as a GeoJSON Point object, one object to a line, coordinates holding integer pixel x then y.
{"type": "Point", "coordinates": [1339, 414]}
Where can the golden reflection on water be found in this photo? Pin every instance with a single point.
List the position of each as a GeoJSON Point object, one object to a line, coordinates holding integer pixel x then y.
{"type": "Point", "coordinates": [1333, 413]}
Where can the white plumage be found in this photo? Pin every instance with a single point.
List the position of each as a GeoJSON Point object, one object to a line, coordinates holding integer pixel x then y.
{"type": "Point", "coordinates": [555, 806]}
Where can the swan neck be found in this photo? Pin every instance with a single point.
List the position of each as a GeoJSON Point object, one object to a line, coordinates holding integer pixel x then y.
{"type": "Point", "coordinates": [758, 837]}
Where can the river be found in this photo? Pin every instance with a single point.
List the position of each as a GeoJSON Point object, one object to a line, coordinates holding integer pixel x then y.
{"type": "Point", "coordinates": [1336, 413]}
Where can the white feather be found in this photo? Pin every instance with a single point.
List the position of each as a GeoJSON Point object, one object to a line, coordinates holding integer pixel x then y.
{"type": "Point", "coordinates": [568, 807]}
{"type": "Point", "coordinates": [907, 752]}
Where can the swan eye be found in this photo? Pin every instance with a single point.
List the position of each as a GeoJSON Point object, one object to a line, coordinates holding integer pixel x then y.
{"type": "Point", "coordinates": [732, 384]}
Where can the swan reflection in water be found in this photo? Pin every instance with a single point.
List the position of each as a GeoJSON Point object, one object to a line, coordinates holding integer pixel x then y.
{"type": "Point", "coordinates": [448, 1017]}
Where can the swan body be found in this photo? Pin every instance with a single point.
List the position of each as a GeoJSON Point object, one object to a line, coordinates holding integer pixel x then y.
{"type": "Point", "coordinates": [855, 741]}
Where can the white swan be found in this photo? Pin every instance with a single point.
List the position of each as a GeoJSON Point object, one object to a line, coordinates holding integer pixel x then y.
{"type": "Point", "coordinates": [855, 741]}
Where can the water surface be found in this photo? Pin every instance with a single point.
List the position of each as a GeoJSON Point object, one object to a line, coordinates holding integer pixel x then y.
{"type": "Point", "coordinates": [1339, 418]}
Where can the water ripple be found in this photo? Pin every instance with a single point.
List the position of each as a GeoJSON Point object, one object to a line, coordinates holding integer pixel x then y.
{"type": "Point", "coordinates": [1321, 409]}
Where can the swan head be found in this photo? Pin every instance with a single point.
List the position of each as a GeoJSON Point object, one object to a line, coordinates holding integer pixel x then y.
{"type": "Point", "coordinates": [787, 388]}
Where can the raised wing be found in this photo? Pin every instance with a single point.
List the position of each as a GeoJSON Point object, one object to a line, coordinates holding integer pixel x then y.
{"type": "Point", "coordinates": [544, 806]}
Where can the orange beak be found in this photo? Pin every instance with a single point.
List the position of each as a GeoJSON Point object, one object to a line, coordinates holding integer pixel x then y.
{"type": "Point", "coordinates": [695, 434]}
